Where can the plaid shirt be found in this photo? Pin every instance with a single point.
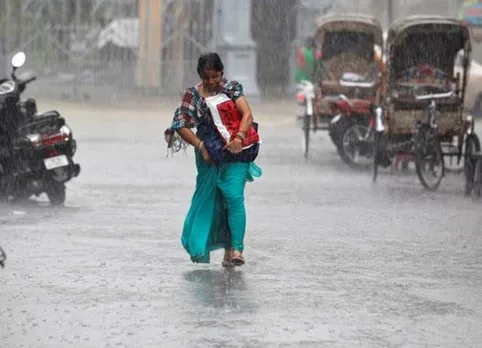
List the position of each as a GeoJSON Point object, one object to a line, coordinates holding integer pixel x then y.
{"type": "Point", "coordinates": [193, 107]}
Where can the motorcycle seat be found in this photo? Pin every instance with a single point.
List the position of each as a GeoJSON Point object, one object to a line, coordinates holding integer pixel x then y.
{"type": "Point", "coordinates": [46, 114]}
{"type": "Point", "coordinates": [49, 120]}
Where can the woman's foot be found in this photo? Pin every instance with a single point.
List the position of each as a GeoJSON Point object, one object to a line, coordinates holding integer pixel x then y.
{"type": "Point", "coordinates": [237, 258]}
{"type": "Point", "coordinates": [227, 258]}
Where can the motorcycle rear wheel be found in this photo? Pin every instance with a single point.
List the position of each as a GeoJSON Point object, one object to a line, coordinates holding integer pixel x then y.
{"type": "Point", "coordinates": [56, 192]}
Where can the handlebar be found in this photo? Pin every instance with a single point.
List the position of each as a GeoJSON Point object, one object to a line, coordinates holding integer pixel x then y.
{"type": "Point", "coordinates": [435, 96]}
{"type": "Point", "coordinates": [27, 81]}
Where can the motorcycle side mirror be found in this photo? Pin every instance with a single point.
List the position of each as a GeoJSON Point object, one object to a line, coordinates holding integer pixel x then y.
{"type": "Point", "coordinates": [18, 60]}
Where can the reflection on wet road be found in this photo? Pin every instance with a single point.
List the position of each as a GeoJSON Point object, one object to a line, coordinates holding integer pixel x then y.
{"type": "Point", "coordinates": [332, 259]}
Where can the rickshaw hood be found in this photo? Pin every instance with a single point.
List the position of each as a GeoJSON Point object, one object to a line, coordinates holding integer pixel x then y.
{"type": "Point", "coordinates": [404, 27]}
{"type": "Point", "coordinates": [432, 40]}
{"type": "Point", "coordinates": [349, 21]}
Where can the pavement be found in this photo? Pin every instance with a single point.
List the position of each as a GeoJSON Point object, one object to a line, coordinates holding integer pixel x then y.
{"type": "Point", "coordinates": [332, 259]}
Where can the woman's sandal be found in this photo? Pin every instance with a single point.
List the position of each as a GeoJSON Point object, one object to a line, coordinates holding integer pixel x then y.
{"type": "Point", "coordinates": [227, 259]}
{"type": "Point", "coordinates": [237, 258]}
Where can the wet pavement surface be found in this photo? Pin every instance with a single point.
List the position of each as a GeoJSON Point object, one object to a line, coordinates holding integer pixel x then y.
{"type": "Point", "coordinates": [332, 259]}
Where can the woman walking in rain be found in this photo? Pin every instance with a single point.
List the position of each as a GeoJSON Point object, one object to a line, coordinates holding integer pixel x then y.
{"type": "Point", "coordinates": [226, 144]}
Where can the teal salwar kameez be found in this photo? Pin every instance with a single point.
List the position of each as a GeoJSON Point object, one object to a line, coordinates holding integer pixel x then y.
{"type": "Point", "coordinates": [217, 216]}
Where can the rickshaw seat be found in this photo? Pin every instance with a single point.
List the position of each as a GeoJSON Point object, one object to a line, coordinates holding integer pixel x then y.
{"type": "Point", "coordinates": [407, 111]}
{"type": "Point", "coordinates": [348, 62]}
{"type": "Point", "coordinates": [331, 87]}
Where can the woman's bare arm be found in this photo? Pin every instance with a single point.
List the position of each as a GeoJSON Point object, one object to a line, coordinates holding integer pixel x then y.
{"type": "Point", "coordinates": [246, 115]}
{"type": "Point", "coordinates": [189, 136]}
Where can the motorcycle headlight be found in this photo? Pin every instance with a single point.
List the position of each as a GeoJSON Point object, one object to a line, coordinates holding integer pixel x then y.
{"type": "Point", "coordinates": [65, 130]}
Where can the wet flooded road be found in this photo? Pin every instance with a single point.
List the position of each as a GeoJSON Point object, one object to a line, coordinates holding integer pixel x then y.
{"type": "Point", "coordinates": [332, 260]}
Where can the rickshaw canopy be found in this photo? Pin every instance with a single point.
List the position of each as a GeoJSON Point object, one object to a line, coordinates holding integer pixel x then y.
{"type": "Point", "coordinates": [432, 40]}
{"type": "Point", "coordinates": [350, 22]}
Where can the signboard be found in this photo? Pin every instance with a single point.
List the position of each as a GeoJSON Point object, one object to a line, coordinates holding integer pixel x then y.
{"type": "Point", "coordinates": [471, 13]}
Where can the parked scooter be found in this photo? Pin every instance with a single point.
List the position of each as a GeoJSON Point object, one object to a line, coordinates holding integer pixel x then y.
{"type": "Point", "coordinates": [36, 150]}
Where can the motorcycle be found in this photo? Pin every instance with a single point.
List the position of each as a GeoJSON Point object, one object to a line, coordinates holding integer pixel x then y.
{"type": "Point", "coordinates": [36, 149]}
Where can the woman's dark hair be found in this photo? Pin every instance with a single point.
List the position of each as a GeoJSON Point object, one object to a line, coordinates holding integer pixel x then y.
{"type": "Point", "coordinates": [211, 61]}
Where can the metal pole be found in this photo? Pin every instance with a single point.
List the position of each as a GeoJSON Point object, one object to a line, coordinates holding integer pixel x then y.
{"type": "Point", "coordinates": [390, 12]}
{"type": "Point", "coordinates": [78, 21]}
{"type": "Point", "coordinates": [8, 33]}
{"type": "Point", "coordinates": [147, 29]}
{"type": "Point", "coordinates": [215, 26]}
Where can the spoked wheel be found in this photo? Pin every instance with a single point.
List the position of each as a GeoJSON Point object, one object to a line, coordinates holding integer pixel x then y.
{"type": "Point", "coordinates": [478, 178]}
{"type": "Point", "coordinates": [380, 155]}
{"type": "Point", "coordinates": [472, 168]}
{"type": "Point", "coordinates": [429, 161]}
{"type": "Point", "coordinates": [333, 138]}
{"type": "Point", "coordinates": [306, 132]}
{"type": "Point", "coordinates": [336, 125]}
{"type": "Point", "coordinates": [469, 167]}
{"type": "Point", "coordinates": [471, 144]}
{"type": "Point", "coordinates": [356, 146]}
{"type": "Point", "coordinates": [376, 150]}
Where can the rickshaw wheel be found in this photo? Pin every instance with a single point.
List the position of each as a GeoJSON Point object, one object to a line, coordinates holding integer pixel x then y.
{"type": "Point", "coordinates": [336, 130]}
{"type": "Point", "coordinates": [306, 131]}
{"type": "Point", "coordinates": [379, 153]}
{"type": "Point", "coordinates": [430, 147]}
{"type": "Point", "coordinates": [376, 144]}
{"type": "Point", "coordinates": [355, 129]}
{"type": "Point", "coordinates": [478, 178]}
{"type": "Point", "coordinates": [471, 145]}
{"type": "Point", "coordinates": [333, 139]}
{"type": "Point", "coordinates": [473, 176]}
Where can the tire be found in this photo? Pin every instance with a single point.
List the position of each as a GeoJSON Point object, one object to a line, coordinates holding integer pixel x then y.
{"type": "Point", "coordinates": [424, 146]}
{"type": "Point", "coordinates": [354, 129]}
{"type": "Point", "coordinates": [333, 138]}
{"type": "Point", "coordinates": [306, 132]}
{"type": "Point", "coordinates": [470, 166]}
{"type": "Point", "coordinates": [3, 257]}
{"type": "Point", "coordinates": [56, 192]}
{"type": "Point", "coordinates": [472, 144]}
{"type": "Point", "coordinates": [376, 150]}
{"type": "Point", "coordinates": [478, 178]}
{"type": "Point", "coordinates": [469, 176]}
{"type": "Point", "coordinates": [334, 130]}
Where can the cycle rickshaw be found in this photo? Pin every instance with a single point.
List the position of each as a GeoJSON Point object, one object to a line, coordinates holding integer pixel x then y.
{"type": "Point", "coordinates": [346, 81]}
{"type": "Point", "coordinates": [421, 115]}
